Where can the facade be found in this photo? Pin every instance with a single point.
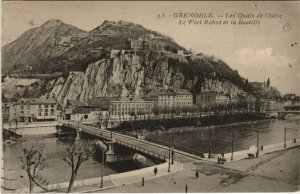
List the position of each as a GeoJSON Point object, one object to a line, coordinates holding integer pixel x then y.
{"type": "Point", "coordinates": [168, 99]}
{"type": "Point", "coordinates": [130, 106]}
{"type": "Point", "coordinates": [6, 112]}
{"type": "Point", "coordinates": [248, 102]}
{"type": "Point", "coordinates": [183, 98]}
{"type": "Point", "coordinates": [94, 110]}
{"type": "Point", "coordinates": [34, 110]}
{"type": "Point", "coordinates": [269, 105]}
{"type": "Point", "coordinates": [162, 98]}
{"type": "Point", "coordinates": [268, 98]}
{"type": "Point", "coordinates": [72, 107]}
{"type": "Point", "coordinates": [212, 98]}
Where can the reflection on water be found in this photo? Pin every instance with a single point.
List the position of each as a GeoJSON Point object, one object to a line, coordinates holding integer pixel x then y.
{"type": "Point", "coordinates": [57, 170]}
{"type": "Point", "coordinates": [245, 135]}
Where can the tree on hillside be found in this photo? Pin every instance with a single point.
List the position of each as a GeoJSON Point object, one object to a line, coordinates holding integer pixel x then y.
{"type": "Point", "coordinates": [34, 160]}
{"type": "Point", "coordinates": [76, 155]}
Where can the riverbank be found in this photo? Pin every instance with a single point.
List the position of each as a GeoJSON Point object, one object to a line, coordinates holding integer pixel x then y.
{"type": "Point", "coordinates": [193, 128]}
{"type": "Point", "coordinates": [209, 121]}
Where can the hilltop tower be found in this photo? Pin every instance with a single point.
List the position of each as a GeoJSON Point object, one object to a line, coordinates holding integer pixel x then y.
{"type": "Point", "coordinates": [268, 83]}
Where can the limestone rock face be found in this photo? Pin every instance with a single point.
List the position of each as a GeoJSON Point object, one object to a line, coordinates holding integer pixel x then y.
{"type": "Point", "coordinates": [126, 74]}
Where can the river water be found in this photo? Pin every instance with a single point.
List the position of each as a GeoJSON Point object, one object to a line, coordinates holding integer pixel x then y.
{"type": "Point", "coordinates": [58, 170]}
{"type": "Point", "coordinates": [245, 135]}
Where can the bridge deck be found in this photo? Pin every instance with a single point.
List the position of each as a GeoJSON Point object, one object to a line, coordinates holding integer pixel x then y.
{"type": "Point", "coordinates": [148, 148]}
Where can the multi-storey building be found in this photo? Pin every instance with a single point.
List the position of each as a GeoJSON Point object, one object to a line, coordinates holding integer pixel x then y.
{"type": "Point", "coordinates": [33, 110]}
{"type": "Point", "coordinates": [212, 98]}
{"type": "Point", "coordinates": [130, 106]}
{"type": "Point", "coordinates": [162, 97]}
{"type": "Point", "coordinates": [171, 99]}
{"type": "Point", "coordinates": [183, 98]}
{"type": "Point", "coordinates": [6, 112]}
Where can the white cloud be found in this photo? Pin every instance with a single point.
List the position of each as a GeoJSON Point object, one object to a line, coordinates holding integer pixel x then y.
{"type": "Point", "coordinates": [259, 64]}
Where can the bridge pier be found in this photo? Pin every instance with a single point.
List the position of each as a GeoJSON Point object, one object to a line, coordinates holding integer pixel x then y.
{"type": "Point", "coordinates": [78, 134]}
{"type": "Point", "coordinates": [110, 154]}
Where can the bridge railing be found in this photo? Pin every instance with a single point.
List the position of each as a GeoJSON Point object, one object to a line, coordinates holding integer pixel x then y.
{"type": "Point", "coordinates": [176, 147]}
{"type": "Point", "coordinates": [146, 151]}
{"type": "Point", "coordinates": [137, 148]}
{"type": "Point", "coordinates": [165, 144]}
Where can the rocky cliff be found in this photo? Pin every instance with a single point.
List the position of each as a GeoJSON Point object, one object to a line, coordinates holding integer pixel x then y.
{"type": "Point", "coordinates": [61, 61]}
{"type": "Point", "coordinates": [134, 73]}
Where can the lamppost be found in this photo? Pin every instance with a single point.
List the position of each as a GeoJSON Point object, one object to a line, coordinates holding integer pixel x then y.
{"type": "Point", "coordinates": [257, 144]}
{"type": "Point", "coordinates": [232, 145]}
{"type": "Point", "coordinates": [209, 143]}
{"type": "Point", "coordinates": [172, 150]}
{"type": "Point", "coordinates": [102, 168]}
{"type": "Point", "coordinates": [284, 145]}
{"type": "Point", "coordinates": [169, 165]}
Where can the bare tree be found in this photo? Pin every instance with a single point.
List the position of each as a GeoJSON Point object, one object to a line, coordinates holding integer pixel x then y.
{"type": "Point", "coordinates": [33, 161]}
{"type": "Point", "coordinates": [76, 155]}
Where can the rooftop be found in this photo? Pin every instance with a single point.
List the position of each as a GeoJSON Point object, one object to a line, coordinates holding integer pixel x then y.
{"type": "Point", "coordinates": [36, 101]}
{"type": "Point", "coordinates": [182, 92]}
{"type": "Point", "coordinates": [101, 102]}
{"type": "Point", "coordinates": [77, 103]}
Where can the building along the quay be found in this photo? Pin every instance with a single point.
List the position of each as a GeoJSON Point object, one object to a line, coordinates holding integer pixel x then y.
{"type": "Point", "coordinates": [125, 107]}
{"type": "Point", "coordinates": [34, 110]}
{"type": "Point", "coordinates": [211, 98]}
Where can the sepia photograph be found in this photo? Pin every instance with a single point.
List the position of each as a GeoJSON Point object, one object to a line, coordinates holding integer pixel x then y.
{"type": "Point", "coordinates": [150, 96]}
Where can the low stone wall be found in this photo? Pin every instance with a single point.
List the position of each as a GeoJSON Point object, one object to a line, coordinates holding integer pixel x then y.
{"type": "Point", "coordinates": [113, 178]}
{"type": "Point", "coordinates": [243, 154]}
{"type": "Point", "coordinates": [37, 130]}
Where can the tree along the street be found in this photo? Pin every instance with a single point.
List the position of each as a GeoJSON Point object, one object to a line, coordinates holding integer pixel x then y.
{"type": "Point", "coordinates": [76, 155]}
{"type": "Point", "coordinates": [34, 160]}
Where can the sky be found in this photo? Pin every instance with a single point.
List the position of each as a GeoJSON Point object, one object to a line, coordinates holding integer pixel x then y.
{"type": "Point", "coordinates": [257, 51]}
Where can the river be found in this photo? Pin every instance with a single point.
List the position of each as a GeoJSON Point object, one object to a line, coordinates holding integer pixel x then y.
{"type": "Point", "coordinates": [57, 170]}
{"type": "Point", "coordinates": [244, 135]}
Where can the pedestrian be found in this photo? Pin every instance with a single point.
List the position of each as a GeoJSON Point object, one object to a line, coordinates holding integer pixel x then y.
{"type": "Point", "coordinates": [197, 174]}
{"type": "Point", "coordinates": [186, 188]}
{"type": "Point", "coordinates": [155, 171]}
{"type": "Point", "coordinates": [143, 182]}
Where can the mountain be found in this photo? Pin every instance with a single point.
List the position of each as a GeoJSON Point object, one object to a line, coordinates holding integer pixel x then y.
{"type": "Point", "coordinates": [56, 46]}
{"type": "Point", "coordinates": [61, 61]}
{"type": "Point", "coordinates": [37, 44]}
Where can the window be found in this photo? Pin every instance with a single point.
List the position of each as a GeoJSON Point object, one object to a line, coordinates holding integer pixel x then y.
{"type": "Point", "coordinates": [22, 107]}
{"type": "Point", "coordinates": [52, 112]}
